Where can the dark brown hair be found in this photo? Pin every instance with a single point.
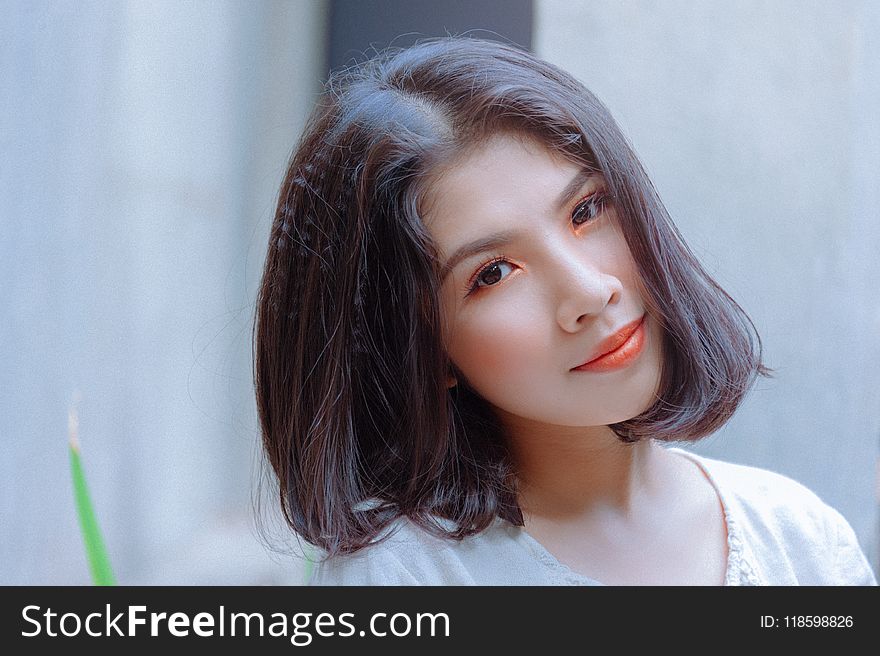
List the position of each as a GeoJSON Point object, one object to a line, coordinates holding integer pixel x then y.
{"type": "Point", "coordinates": [349, 368]}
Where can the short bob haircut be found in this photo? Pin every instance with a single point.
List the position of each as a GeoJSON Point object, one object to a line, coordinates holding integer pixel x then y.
{"type": "Point", "coordinates": [349, 367]}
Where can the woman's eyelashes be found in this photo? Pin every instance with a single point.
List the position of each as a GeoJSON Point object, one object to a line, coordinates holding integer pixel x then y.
{"type": "Point", "coordinates": [590, 207]}
{"type": "Point", "coordinates": [586, 211]}
{"type": "Point", "coordinates": [488, 273]}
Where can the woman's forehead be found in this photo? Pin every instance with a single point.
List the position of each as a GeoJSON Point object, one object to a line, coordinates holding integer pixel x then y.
{"type": "Point", "coordinates": [504, 171]}
{"type": "Point", "coordinates": [493, 149]}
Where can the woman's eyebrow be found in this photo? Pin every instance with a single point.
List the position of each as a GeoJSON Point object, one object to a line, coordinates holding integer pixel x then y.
{"type": "Point", "coordinates": [506, 236]}
{"type": "Point", "coordinates": [573, 187]}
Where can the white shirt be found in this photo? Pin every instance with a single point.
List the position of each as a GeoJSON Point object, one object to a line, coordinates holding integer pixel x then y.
{"type": "Point", "coordinates": [778, 533]}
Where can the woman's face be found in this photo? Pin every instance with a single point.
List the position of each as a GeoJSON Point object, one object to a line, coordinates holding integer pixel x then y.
{"type": "Point", "coordinates": [519, 317]}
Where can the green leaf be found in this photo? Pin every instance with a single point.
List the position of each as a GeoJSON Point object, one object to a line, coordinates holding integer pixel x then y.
{"type": "Point", "coordinates": [99, 562]}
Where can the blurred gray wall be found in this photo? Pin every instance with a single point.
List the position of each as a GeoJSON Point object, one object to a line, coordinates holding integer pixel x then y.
{"type": "Point", "coordinates": [142, 144]}
{"type": "Point", "coordinates": [758, 123]}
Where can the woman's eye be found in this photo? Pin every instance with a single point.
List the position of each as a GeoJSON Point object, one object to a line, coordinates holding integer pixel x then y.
{"type": "Point", "coordinates": [490, 274]}
{"type": "Point", "coordinates": [589, 209]}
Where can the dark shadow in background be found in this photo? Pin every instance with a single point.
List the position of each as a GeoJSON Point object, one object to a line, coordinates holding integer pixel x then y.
{"type": "Point", "coordinates": [356, 27]}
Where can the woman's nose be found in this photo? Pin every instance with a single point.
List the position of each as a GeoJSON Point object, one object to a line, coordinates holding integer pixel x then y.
{"type": "Point", "coordinates": [583, 291]}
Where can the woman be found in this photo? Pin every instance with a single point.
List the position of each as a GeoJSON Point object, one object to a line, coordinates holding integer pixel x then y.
{"type": "Point", "coordinates": [478, 328]}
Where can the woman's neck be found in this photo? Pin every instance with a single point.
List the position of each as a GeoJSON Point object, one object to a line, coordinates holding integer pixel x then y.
{"type": "Point", "coordinates": [570, 473]}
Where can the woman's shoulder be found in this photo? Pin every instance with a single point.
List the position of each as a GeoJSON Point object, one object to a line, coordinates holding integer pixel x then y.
{"type": "Point", "coordinates": [761, 490]}
{"type": "Point", "coordinates": [407, 554]}
{"type": "Point", "coordinates": [393, 559]}
{"type": "Point", "coordinates": [782, 518]}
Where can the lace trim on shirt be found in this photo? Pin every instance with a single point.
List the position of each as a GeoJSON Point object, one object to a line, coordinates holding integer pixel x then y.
{"type": "Point", "coordinates": [567, 575]}
{"type": "Point", "coordinates": [739, 566]}
{"type": "Point", "coordinates": [740, 570]}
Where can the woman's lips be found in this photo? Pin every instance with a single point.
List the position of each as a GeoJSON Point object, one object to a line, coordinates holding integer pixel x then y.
{"type": "Point", "coordinates": [620, 349]}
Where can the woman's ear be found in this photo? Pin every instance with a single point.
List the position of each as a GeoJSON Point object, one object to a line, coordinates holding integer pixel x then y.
{"type": "Point", "coordinates": [451, 375]}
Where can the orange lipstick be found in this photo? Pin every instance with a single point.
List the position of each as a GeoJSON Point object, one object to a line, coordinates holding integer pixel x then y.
{"type": "Point", "coordinates": [621, 349]}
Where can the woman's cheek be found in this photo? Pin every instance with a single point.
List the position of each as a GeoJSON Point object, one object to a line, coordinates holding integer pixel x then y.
{"type": "Point", "coordinates": [497, 350]}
